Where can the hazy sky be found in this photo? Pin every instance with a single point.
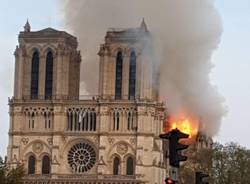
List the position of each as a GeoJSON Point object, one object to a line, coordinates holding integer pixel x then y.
{"type": "Point", "coordinates": [231, 60]}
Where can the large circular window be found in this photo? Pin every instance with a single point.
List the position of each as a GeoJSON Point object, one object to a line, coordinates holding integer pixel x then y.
{"type": "Point", "coordinates": [81, 157]}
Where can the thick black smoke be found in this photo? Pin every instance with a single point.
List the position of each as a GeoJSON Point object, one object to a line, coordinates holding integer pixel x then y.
{"type": "Point", "coordinates": [186, 32]}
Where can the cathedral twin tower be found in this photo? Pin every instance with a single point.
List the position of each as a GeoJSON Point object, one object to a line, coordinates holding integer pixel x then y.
{"type": "Point", "coordinates": [109, 138]}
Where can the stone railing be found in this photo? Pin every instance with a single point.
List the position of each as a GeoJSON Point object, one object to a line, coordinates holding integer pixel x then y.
{"type": "Point", "coordinates": [81, 97]}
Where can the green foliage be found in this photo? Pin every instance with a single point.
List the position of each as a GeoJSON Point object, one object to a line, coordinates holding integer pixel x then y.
{"type": "Point", "coordinates": [226, 164]}
{"type": "Point", "coordinates": [10, 175]}
{"type": "Point", "coordinates": [198, 160]}
{"type": "Point", "coordinates": [231, 164]}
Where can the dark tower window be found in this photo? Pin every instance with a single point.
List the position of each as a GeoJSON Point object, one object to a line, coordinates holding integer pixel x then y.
{"type": "Point", "coordinates": [34, 76]}
{"type": "Point", "coordinates": [46, 165]}
{"type": "Point", "coordinates": [117, 120]}
{"type": "Point", "coordinates": [31, 165]}
{"type": "Point", "coordinates": [132, 75]}
{"type": "Point", "coordinates": [49, 76]}
{"type": "Point", "coordinates": [94, 120]}
{"type": "Point", "coordinates": [116, 166]}
{"type": "Point", "coordinates": [130, 166]}
{"type": "Point", "coordinates": [118, 79]}
{"type": "Point", "coordinates": [130, 121]}
{"type": "Point", "coordinates": [114, 121]}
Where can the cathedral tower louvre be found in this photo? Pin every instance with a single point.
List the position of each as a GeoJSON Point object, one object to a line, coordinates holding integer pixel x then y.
{"type": "Point", "coordinates": [109, 138]}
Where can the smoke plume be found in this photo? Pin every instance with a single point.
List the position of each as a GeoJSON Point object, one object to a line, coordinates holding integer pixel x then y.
{"type": "Point", "coordinates": [186, 32]}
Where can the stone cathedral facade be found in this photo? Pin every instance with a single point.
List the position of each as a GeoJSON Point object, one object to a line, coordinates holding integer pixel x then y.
{"type": "Point", "coordinates": [111, 138]}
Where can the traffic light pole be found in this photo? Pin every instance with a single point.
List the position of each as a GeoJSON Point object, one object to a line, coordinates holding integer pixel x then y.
{"type": "Point", "coordinates": [175, 147]}
{"type": "Point", "coordinates": [174, 173]}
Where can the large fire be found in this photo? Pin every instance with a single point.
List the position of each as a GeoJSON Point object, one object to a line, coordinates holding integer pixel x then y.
{"type": "Point", "coordinates": [185, 125]}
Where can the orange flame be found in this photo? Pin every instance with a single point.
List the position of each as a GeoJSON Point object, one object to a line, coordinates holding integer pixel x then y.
{"type": "Point", "coordinates": [185, 125]}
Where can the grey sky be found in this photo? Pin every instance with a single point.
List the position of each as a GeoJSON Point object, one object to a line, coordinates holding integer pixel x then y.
{"type": "Point", "coordinates": [231, 60]}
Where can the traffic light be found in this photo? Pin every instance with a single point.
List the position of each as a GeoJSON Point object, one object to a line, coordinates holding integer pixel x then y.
{"type": "Point", "coordinates": [170, 181]}
{"type": "Point", "coordinates": [199, 176]}
{"type": "Point", "coordinates": [175, 156]}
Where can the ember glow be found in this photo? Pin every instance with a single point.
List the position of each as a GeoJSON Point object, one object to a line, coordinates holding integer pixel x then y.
{"type": "Point", "coordinates": [185, 125]}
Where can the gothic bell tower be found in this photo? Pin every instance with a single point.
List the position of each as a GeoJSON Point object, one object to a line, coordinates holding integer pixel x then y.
{"type": "Point", "coordinates": [131, 114]}
{"type": "Point", "coordinates": [126, 65]}
{"type": "Point", "coordinates": [47, 73]}
{"type": "Point", "coordinates": [47, 65]}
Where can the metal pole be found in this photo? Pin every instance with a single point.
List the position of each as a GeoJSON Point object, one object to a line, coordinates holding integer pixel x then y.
{"type": "Point", "coordinates": [174, 173]}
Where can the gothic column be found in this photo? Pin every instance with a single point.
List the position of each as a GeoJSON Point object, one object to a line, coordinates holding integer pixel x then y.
{"type": "Point", "coordinates": [67, 65]}
{"type": "Point", "coordinates": [59, 126]}
{"type": "Point", "coordinates": [18, 73]}
{"type": "Point", "coordinates": [112, 76]}
{"type": "Point", "coordinates": [26, 75]}
{"type": "Point", "coordinates": [139, 77]}
{"type": "Point", "coordinates": [41, 78]}
{"type": "Point", "coordinates": [58, 65]}
{"type": "Point", "coordinates": [101, 75]}
{"type": "Point", "coordinates": [103, 122]}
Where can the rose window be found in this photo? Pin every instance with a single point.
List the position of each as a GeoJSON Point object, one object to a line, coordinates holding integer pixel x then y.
{"type": "Point", "coordinates": [81, 157]}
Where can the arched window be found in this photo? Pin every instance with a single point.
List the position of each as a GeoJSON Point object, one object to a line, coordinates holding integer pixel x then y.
{"type": "Point", "coordinates": [132, 75]}
{"type": "Point", "coordinates": [93, 121]}
{"type": "Point", "coordinates": [130, 166]}
{"type": "Point", "coordinates": [34, 76]}
{"type": "Point", "coordinates": [118, 78]}
{"type": "Point", "coordinates": [130, 121]}
{"type": "Point", "coordinates": [84, 121]}
{"type": "Point", "coordinates": [46, 165]}
{"type": "Point", "coordinates": [31, 165]}
{"type": "Point", "coordinates": [87, 121]}
{"type": "Point", "coordinates": [117, 121]}
{"type": "Point", "coordinates": [116, 166]}
{"type": "Point", "coordinates": [70, 121]}
{"type": "Point", "coordinates": [46, 121]}
{"type": "Point", "coordinates": [76, 120]}
{"type": "Point", "coordinates": [32, 121]}
{"type": "Point", "coordinates": [114, 120]}
{"type": "Point", "coordinates": [49, 76]}
{"type": "Point", "coordinates": [49, 123]}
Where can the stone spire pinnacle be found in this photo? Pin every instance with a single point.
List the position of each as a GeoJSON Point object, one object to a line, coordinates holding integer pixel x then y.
{"type": "Point", "coordinates": [144, 25]}
{"type": "Point", "coordinates": [27, 26]}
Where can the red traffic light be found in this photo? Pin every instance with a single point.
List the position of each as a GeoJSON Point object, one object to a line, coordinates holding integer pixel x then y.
{"type": "Point", "coordinates": [169, 181]}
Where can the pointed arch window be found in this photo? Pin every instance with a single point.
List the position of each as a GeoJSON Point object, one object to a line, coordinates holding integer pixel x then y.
{"type": "Point", "coordinates": [130, 121]}
{"type": "Point", "coordinates": [49, 75]}
{"type": "Point", "coordinates": [34, 75]}
{"type": "Point", "coordinates": [116, 166]}
{"type": "Point", "coordinates": [130, 166]}
{"type": "Point", "coordinates": [31, 165]}
{"type": "Point", "coordinates": [132, 75]}
{"type": "Point", "coordinates": [116, 121]}
{"type": "Point", "coordinates": [118, 78]}
{"type": "Point", "coordinates": [46, 165]}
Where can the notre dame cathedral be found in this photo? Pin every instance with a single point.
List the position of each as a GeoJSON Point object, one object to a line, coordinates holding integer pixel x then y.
{"type": "Point", "coordinates": [111, 138]}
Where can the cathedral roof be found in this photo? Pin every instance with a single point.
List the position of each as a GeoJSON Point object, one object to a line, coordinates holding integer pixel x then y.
{"type": "Point", "coordinates": [46, 34]}
{"type": "Point", "coordinates": [128, 34]}
{"type": "Point", "coordinates": [49, 29]}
